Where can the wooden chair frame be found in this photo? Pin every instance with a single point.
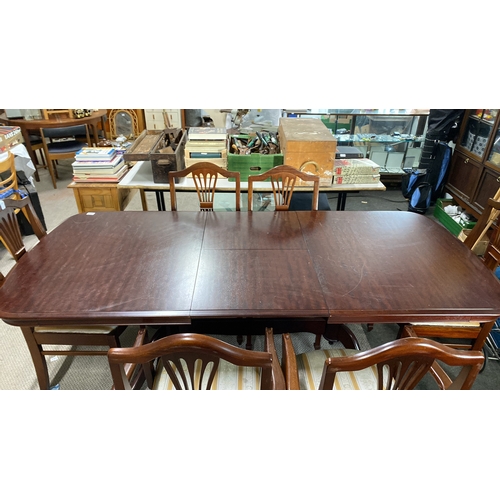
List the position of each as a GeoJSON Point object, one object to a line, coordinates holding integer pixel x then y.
{"type": "Point", "coordinates": [187, 348]}
{"type": "Point", "coordinates": [205, 175]}
{"type": "Point", "coordinates": [283, 180]}
{"type": "Point", "coordinates": [407, 359]}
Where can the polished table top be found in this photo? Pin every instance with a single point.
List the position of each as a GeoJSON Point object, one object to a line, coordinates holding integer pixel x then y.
{"type": "Point", "coordinates": [171, 267]}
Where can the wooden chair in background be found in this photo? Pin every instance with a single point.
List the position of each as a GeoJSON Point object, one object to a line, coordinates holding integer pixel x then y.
{"type": "Point", "coordinates": [192, 361]}
{"type": "Point", "coordinates": [60, 144]}
{"type": "Point", "coordinates": [205, 175]}
{"type": "Point", "coordinates": [283, 179]}
{"type": "Point", "coordinates": [9, 187]}
{"type": "Point", "coordinates": [38, 337]}
{"type": "Point", "coordinates": [51, 113]}
{"type": "Point", "coordinates": [397, 365]}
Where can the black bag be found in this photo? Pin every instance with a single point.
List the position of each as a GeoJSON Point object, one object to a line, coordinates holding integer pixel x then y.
{"type": "Point", "coordinates": [416, 187]}
{"type": "Point", "coordinates": [27, 188]}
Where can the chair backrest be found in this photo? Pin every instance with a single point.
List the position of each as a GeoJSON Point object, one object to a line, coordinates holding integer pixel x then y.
{"type": "Point", "coordinates": [191, 360]}
{"type": "Point", "coordinates": [10, 233]}
{"type": "Point", "coordinates": [205, 175]}
{"type": "Point", "coordinates": [8, 177]}
{"type": "Point", "coordinates": [399, 365]}
{"type": "Point", "coordinates": [406, 360]}
{"type": "Point", "coordinates": [49, 113]}
{"type": "Point", "coordinates": [491, 257]}
{"type": "Point", "coordinates": [283, 180]}
{"type": "Point", "coordinates": [65, 148]}
{"type": "Point", "coordinates": [486, 220]}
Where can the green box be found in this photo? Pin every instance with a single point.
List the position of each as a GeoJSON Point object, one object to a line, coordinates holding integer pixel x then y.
{"type": "Point", "coordinates": [453, 226]}
{"type": "Point", "coordinates": [252, 164]}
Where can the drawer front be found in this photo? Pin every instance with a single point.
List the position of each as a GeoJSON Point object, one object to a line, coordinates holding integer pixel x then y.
{"type": "Point", "coordinates": [98, 199]}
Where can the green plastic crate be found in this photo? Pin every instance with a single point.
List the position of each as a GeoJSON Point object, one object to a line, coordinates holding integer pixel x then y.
{"type": "Point", "coordinates": [252, 164]}
{"type": "Point", "coordinates": [453, 226]}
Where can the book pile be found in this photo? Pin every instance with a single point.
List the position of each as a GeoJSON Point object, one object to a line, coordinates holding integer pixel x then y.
{"type": "Point", "coordinates": [355, 171]}
{"type": "Point", "coordinates": [206, 144]}
{"type": "Point", "coordinates": [99, 165]}
{"type": "Point", "coordinates": [9, 137]}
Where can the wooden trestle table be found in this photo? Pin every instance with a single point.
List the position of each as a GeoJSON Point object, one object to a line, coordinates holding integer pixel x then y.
{"type": "Point", "coordinates": [160, 268]}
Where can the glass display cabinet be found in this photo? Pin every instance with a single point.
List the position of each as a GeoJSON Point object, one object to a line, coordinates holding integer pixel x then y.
{"type": "Point", "coordinates": [392, 138]}
{"type": "Point", "coordinates": [474, 174]}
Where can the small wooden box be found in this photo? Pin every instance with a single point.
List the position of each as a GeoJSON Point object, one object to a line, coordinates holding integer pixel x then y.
{"type": "Point", "coordinates": [308, 145]}
{"type": "Point", "coordinates": [148, 146]}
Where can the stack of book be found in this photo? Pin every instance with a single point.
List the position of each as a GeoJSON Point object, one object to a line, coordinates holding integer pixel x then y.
{"type": "Point", "coordinates": [206, 144]}
{"type": "Point", "coordinates": [355, 171]}
{"type": "Point", "coordinates": [9, 137]}
{"type": "Point", "coordinates": [99, 165]}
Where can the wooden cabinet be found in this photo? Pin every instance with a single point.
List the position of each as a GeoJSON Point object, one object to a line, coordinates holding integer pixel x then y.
{"type": "Point", "coordinates": [156, 118]}
{"type": "Point", "coordinates": [474, 174]}
{"type": "Point", "coordinates": [100, 197]}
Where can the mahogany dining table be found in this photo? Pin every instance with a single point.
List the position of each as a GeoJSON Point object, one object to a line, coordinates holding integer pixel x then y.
{"type": "Point", "coordinates": [28, 125]}
{"type": "Point", "coordinates": [177, 268]}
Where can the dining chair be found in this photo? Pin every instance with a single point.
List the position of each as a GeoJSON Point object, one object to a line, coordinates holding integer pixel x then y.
{"type": "Point", "coordinates": [397, 365]}
{"type": "Point", "coordinates": [41, 336]}
{"type": "Point", "coordinates": [205, 176]}
{"type": "Point", "coordinates": [462, 334]}
{"type": "Point", "coordinates": [60, 144]}
{"type": "Point", "coordinates": [9, 186]}
{"type": "Point", "coordinates": [283, 179]}
{"type": "Point", "coordinates": [193, 361]}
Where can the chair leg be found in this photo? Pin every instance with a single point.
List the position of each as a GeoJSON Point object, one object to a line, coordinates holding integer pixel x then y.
{"type": "Point", "coordinates": [317, 341]}
{"type": "Point", "coordinates": [249, 345]}
{"type": "Point", "coordinates": [39, 361]}
{"type": "Point", "coordinates": [52, 173]}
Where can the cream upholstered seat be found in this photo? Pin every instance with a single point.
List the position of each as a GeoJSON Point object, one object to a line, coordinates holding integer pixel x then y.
{"type": "Point", "coordinates": [397, 365]}
{"type": "Point", "coordinates": [227, 377]}
{"type": "Point", "coordinates": [310, 370]}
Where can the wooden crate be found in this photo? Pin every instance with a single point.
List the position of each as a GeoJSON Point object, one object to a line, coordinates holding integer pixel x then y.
{"type": "Point", "coordinates": [148, 147]}
{"type": "Point", "coordinates": [163, 162]}
{"type": "Point", "coordinates": [308, 145]}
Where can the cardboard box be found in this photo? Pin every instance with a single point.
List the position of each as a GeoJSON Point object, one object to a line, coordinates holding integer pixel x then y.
{"type": "Point", "coordinates": [482, 244]}
{"type": "Point", "coordinates": [308, 145]}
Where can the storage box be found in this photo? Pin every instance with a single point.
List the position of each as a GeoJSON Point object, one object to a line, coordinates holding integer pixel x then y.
{"type": "Point", "coordinates": [252, 164]}
{"type": "Point", "coordinates": [309, 146]}
{"type": "Point", "coordinates": [448, 222]}
{"type": "Point", "coordinates": [148, 146]}
{"type": "Point", "coordinates": [482, 244]}
{"type": "Point", "coordinates": [162, 162]}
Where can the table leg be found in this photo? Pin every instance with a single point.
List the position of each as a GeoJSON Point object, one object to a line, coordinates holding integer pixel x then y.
{"type": "Point", "coordinates": [144, 202]}
{"type": "Point", "coordinates": [341, 200]}
{"type": "Point", "coordinates": [160, 201]}
{"type": "Point", "coordinates": [39, 360]}
{"type": "Point", "coordinates": [95, 133]}
{"type": "Point", "coordinates": [342, 334]}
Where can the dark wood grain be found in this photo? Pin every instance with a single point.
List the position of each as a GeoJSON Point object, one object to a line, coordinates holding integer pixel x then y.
{"type": "Point", "coordinates": [396, 267]}
{"type": "Point", "coordinates": [110, 268]}
{"type": "Point", "coordinates": [171, 267]}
